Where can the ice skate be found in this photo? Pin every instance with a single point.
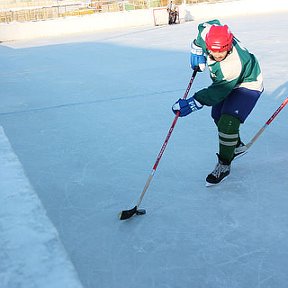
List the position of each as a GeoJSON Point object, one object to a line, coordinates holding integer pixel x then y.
{"type": "Point", "coordinates": [221, 172]}
{"type": "Point", "coordinates": [240, 150]}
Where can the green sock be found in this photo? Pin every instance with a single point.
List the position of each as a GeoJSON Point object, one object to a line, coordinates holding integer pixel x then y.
{"type": "Point", "coordinates": [228, 131]}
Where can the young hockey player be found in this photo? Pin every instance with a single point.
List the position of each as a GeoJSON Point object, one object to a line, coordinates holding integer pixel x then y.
{"type": "Point", "coordinates": [236, 86]}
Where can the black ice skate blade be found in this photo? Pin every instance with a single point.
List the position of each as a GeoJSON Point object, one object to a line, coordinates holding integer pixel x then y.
{"type": "Point", "coordinates": [240, 155]}
{"type": "Point", "coordinates": [208, 184]}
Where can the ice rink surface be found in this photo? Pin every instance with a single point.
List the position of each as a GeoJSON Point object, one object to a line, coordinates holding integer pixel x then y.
{"type": "Point", "coordinates": [87, 116]}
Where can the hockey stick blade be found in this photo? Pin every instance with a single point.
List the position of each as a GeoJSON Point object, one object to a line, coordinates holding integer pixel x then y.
{"type": "Point", "coordinates": [126, 214]}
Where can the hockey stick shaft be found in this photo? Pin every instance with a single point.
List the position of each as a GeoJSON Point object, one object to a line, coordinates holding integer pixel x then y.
{"type": "Point", "coordinates": [267, 123]}
{"type": "Point", "coordinates": [165, 142]}
{"type": "Point", "coordinates": [126, 214]}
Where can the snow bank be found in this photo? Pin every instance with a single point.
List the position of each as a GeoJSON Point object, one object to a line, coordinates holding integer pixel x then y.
{"type": "Point", "coordinates": [31, 253]}
{"type": "Point", "coordinates": [74, 25]}
{"type": "Point", "coordinates": [237, 7]}
{"type": "Point", "coordinates": [124, 19]}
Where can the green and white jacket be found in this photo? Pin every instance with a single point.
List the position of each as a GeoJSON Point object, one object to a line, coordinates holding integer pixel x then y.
{"type": "Point", "coordinates": [239, 69]}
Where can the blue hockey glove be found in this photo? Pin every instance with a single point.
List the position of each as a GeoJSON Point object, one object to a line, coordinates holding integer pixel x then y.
{"type": "Point", "coordinates": [186, 106]}
{"type": "Point", "coordinates": [197, 58]}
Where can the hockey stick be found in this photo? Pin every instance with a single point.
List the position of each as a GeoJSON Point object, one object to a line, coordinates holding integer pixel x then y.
{"type": "Point", "coordinates": [248, 145]}
{"type": "Point", "coordinates": [126, 214]}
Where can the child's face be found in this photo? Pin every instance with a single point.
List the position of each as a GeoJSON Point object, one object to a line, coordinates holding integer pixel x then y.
{"type": "Point", "coordinates": [219, 56]}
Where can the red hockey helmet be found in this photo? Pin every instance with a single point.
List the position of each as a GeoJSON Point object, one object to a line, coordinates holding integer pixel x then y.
{"type": "Point", "coordinates": [219, 38]}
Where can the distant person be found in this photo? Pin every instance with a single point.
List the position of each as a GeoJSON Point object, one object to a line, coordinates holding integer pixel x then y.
{"type": "Point", "coordinates": [173, 13]}
{"type": "Point", "coordinates": [236, 86]}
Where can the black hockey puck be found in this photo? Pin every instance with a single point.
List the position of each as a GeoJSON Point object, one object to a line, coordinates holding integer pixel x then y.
{"type": "Point", "coordinates": [140, 212]}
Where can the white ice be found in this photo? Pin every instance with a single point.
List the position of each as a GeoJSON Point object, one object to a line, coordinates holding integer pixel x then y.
{"type": "Point", "coordinates": [86, 118]}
